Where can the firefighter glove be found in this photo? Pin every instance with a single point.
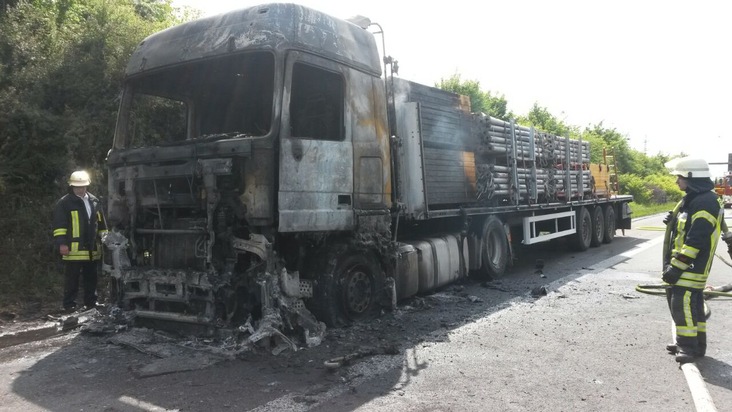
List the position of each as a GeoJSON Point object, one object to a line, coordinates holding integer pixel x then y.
{"type": "Point", "coordinates": [727, 237]}
{"type": "Point", "coordinates": [668, 217]}
{"type": "Point", "coordinates": [671, 274]}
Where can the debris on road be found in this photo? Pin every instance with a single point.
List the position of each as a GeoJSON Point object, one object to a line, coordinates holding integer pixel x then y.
{"type": "Point", "coordinates": [345, 360]}
{"type": "Point", "coordinates": [539, 291]}
{"type": "Point", "coordinates": [40, 332]}
{"type": "Point", "coordinates": [56, 325]}
{"type": "Point", "coordinates": [175, 364]}
{"type": "Point", "coordinates": [539, 266]}
{"type": "Point", "coordinates": [491, 285]}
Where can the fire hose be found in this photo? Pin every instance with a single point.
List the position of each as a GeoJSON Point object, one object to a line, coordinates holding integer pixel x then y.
{"type": "Point", "coordinates": [709, 291]}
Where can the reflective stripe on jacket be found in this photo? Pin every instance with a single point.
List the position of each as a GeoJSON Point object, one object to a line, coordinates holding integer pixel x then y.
{"type": "Point", "coordinates": [697, 227]}
{"type": "Point", "coordinates": [72, 227]}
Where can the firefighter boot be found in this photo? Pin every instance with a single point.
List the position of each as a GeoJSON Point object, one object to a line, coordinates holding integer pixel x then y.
{"type": "Point", "coordinates": [684, 356]}
{"type": "Point", "coordinates": [672, 348]}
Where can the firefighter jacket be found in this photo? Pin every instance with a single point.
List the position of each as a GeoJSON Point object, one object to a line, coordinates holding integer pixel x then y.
{"type": "Point", "coordinates": [72, 226]}
{"type": "Point", "coordinates": [694, 233]}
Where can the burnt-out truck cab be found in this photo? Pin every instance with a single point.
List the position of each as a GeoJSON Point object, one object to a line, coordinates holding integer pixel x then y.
{"type": "Point", "coordinates": [265, 169]}
{"type": "Point", "coordinates": [241, 140]}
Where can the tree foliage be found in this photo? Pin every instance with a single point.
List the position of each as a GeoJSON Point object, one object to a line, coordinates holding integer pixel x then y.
{"type": "Point", "coordinates": [540, 118]}
{"type": "Point", "coordinates": [480, 101]}
{"type": "Point", "coordinates": [61, 67]}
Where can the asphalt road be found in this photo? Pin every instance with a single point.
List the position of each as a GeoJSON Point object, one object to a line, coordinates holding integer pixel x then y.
{"type": "Point", "coordinates": [592, 343]}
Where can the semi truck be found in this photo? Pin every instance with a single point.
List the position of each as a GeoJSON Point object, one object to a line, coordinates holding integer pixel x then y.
{"type": "Point", "coordinates": [271, 172]}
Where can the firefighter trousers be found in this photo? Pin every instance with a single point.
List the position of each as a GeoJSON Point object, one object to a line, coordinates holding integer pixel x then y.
{"type": "Point", "coordinates": [87, 271]}
{"type": "Point", "coordinates": [687, 310]}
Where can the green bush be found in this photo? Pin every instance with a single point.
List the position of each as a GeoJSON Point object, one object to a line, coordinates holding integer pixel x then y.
{"type": "Point", "coordinates": [651, 189]}
{"type": "Point", "coordinates": [61, 66]}
{"type": "Point", "coordinates": [635, 185]}
{"type": "Point", "coordinates": [664, 188]}
{"type": "Point", "coordinates": [30, 272]}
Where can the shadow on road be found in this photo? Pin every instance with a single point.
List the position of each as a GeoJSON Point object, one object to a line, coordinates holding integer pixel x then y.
{"type": "Point", "coordinates": [716, 372]}
{"type": "Point", "coordinates": [89, 373]}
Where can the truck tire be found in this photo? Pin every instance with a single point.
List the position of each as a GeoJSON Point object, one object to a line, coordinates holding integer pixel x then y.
{"type": "Point", "coordinates": [495, 252]}
{"type": "Point", "coordinates": [349, 290]}
{"type": "Point", "coordinates": [582, 239]}
{"type": "Point", "coordinates": [598, 226]}
{"type": "Point", "coordinates": [609, 224]}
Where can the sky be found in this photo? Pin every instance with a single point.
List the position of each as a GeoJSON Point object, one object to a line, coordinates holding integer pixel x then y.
{"type": "Point", "coordinates": [659, 72]}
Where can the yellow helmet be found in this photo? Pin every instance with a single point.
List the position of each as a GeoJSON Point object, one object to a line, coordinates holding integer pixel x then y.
{"type": "Point", "coordinates": [79, 178]}
{"type": "Point", "coordinates": [689, 167]}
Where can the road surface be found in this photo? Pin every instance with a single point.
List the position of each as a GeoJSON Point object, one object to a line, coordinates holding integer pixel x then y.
{"type": "Point", "coordinates": [592, 343]}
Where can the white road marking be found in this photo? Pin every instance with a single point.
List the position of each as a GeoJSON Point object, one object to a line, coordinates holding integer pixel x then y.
{"type": "Point", "coordinates": [145, 406]}
{"type": "Point", "coordinates": [699, 393]}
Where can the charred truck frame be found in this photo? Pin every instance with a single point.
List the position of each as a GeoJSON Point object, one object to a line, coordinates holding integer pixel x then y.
{"type": "Point", "coordinates": [263, 170]}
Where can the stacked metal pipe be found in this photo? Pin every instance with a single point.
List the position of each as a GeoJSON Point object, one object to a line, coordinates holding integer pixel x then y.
{"type": "Point", "coordinates": [518, 162]}
{"type": "Point", "coordinates": [575, 181]}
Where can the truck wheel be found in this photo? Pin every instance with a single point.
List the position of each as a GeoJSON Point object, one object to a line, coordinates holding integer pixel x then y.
{"type": "Point", "coordinates": [582, 239]}
{"type": "Point", "coordinates": [495, 247]}
{"type": "Point", "coordinates": [609, 224]}
{"type": "Point", "coordinates": [598, 227]}
{"type": "Point", "coordinates": [350, 289]}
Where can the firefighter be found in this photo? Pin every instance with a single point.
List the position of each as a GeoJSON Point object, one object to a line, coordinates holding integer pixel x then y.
{"type": "Point", "coordinates": [78, 223]}
{"type": "Point", "coordinates": [691, 240]}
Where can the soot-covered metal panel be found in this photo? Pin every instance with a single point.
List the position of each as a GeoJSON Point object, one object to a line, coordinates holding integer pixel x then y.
{"type": "Point", "coordinates": [265, 27]}
{"type": "Point", "coordinates": [316, 185]}
{"type": "Point", "coordinates": [411, 174]}
{"type": "Point", "coordinates": [447, 147]}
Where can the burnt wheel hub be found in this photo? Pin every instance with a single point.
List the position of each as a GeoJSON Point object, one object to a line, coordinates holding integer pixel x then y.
{"type": "Point", "coordinates": [358, 291]}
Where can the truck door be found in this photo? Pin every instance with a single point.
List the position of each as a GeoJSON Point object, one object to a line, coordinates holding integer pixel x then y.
{"type": "Point", "coordinates": [316, 153]}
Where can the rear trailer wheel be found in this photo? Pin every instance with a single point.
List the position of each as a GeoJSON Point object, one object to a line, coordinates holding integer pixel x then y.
{"type": "Point", "coordinates": [350, 290]}
{"type": "Point", "coordinates": [495, 247]}
{"type": "Point", "coordinates": [609, 224]}
{"type": "Point", "coordinates": [598, 227]}
{"type": "Point", "coordinates": [582, 239]}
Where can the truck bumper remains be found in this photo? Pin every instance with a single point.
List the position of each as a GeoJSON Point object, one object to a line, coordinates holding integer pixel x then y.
{"type": "Point", "coordinates": [276, 310]}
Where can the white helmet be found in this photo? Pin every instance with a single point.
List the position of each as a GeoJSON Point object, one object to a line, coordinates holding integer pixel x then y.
{"type": "Point", "coordinates": [689, 167]}
{"type": "Point", "coordinates": [79, 178]}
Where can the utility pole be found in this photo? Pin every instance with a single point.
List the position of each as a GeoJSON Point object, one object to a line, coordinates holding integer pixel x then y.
{"type": "Point", "coordinates": [728, 163]}
{"type": "Point", "coordinates": [645, 145]}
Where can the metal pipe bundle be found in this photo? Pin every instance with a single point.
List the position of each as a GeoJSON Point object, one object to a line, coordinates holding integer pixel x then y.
{"type": "Point", "coordinates": [519, 162]}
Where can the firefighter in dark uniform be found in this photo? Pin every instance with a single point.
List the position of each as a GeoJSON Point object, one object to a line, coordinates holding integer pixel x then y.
{"type": "Point", "coordinates": [692, 233]}
{"type": "Point", "coordinates": [78, 224]}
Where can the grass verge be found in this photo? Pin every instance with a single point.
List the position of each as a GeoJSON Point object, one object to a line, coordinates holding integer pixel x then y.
{"type": "Point", "coordinates": [640, 210]}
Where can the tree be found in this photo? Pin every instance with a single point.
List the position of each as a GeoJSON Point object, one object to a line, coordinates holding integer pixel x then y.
{"type": "Point", "coordinates": [480, 101]}
{"type": "Point", "coordinates": [61, 68]}
{"type": "Point", "coordinates": [540, 118]}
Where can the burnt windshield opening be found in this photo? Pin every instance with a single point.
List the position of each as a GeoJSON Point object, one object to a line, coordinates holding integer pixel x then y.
{"type": "Point", "coordinates": [223, 98]}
